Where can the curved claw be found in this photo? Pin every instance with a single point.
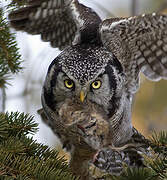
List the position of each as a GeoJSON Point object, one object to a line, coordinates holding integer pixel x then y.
{"type": "Point", "coordinates": [109, 160]}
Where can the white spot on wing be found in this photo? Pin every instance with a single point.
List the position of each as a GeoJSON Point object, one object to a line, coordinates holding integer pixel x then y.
{"type": "Point", "coordinates": [142, 47]}
{"type": "Point", "coordinates": [118, 22]}
{"type": "Point", "coordinates": [130, 18]}
{"type": "Point", "coordinates": [110, 26]}
{"type": "Point", "coordinates": [51, 12]}
{"type": "Point", "coordinates": [150, 59]}
{"type": "Point", "coordinates": [44, 13]}
{"type": "Point", "coordinates": [38, 14]}
{"type": "Point", "coordinates": [138, 54]}
{"type": "Point", "coordinates": [153, 47]}
{"type": "Point", "coordinates": [147, 53]}
{"type": "Point", "coordinates": [164, 60]}
{"type": "Point", "coordinates": [159, 42]}
{"type": "Point", "coordinates": [165, 48]}
{"type": "Point", "coordinates": [49, 4]}
{"type": "Point", "coordinates": [76, 15]}
{"type": "Point", "coordinates": [54, 4]}
{"type": "Point", "coordinates": [44, 4]}
{"type": "Point", "coordinates": [140, 61]}
{"type": "Point", "coordinates": [159, 53]}
{"type": "Point", "coordinates": [59, 3]}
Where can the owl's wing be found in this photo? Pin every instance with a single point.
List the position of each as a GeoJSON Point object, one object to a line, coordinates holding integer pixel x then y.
{"type": "Point", "coordinates": [140, 44]}
{"type": "Point", "coordinates": [59, 22]}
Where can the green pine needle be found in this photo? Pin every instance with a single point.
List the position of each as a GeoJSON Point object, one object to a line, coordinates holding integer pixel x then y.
{"type": "Point", "coordinates": [134, 174]}
{"type": "Point", "coordinates": [160, 138]}
{"type": "Point", "coordinates": [9, 55]}
{"type": "Point", "coordinates": [16, 124]}
{"type": "Point", "coordinates": [21, 157]}
{"type": "Point", "coordinates": [159, 168]}
{"type": "Point", "coordinates": [32, 167]}
{"type": "Point", "coordinates": [159, 142]}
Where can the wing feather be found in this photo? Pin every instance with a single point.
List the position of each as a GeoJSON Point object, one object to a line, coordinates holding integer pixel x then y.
{"type": "Point", "coordinates": [140, 44]}
{"type": "Point", "coordinates": [57, 21]}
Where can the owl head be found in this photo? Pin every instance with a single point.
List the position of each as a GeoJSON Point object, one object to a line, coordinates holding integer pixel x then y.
{"type": "Point", "coordinates": [87, 74]}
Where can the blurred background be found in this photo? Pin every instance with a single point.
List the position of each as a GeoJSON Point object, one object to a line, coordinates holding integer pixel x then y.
{"type": "Point", "coordinates": [24, 93]}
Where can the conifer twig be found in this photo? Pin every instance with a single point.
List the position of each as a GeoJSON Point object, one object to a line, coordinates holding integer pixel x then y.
{"type": "Point", "coordinates": [9, 56]}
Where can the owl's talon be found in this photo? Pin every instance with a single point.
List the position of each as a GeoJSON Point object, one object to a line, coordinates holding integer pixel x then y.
{"type": "Point", "coordinates": [108, 160]}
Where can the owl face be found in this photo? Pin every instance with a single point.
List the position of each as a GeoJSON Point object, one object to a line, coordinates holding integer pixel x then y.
{"type": "Point", "coordinates": [96, 90]}
{"type": "Point", "coordinates": [88, 74]}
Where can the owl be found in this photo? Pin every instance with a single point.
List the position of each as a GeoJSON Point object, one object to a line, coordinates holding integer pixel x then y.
{"type": "Point", "coordinates": [89, 88]}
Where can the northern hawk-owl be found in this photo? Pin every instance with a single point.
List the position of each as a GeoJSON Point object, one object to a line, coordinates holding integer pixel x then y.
{"type": "Point", "coordinates": [88, 91]}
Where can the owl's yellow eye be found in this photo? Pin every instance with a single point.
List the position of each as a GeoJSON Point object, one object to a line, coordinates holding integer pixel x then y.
{"type": "Point", "coordinates": [96, 84]}
{"type": "Point", "coordinates": [69, 83]}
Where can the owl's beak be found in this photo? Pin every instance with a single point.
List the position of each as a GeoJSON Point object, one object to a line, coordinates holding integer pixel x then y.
{"type": "Point", "coordinates": [82, 96]}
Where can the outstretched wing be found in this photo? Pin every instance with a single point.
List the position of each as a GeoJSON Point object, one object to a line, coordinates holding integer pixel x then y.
{"type": "Point", "coordinates": [140, 44]}
{"type": "Point", "coordinates": [58, 21]}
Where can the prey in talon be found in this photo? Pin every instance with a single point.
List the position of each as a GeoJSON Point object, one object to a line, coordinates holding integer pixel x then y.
{"type": "Point", "coordinates": [88, 122]}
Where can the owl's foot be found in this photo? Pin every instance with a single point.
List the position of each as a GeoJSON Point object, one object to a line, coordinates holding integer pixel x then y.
{"type": "Point", "coordinates": [114, 161]}
{"type": "Point", "coordinates": [109, 161]}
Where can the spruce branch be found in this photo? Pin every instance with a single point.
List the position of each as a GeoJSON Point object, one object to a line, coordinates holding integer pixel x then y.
{"type": "Point", "coordinates": [159, 168]}
{"type": "Point", "coordinates": [158, 142]}
{"type": "Point", "coordinates": [9, 55]}
{"type": "Point", "coordinates": [21, 157]}
{"type": "Point", "coordinates": [16, 124]}
{"type": "Point", "coordinates": [135, 173]}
